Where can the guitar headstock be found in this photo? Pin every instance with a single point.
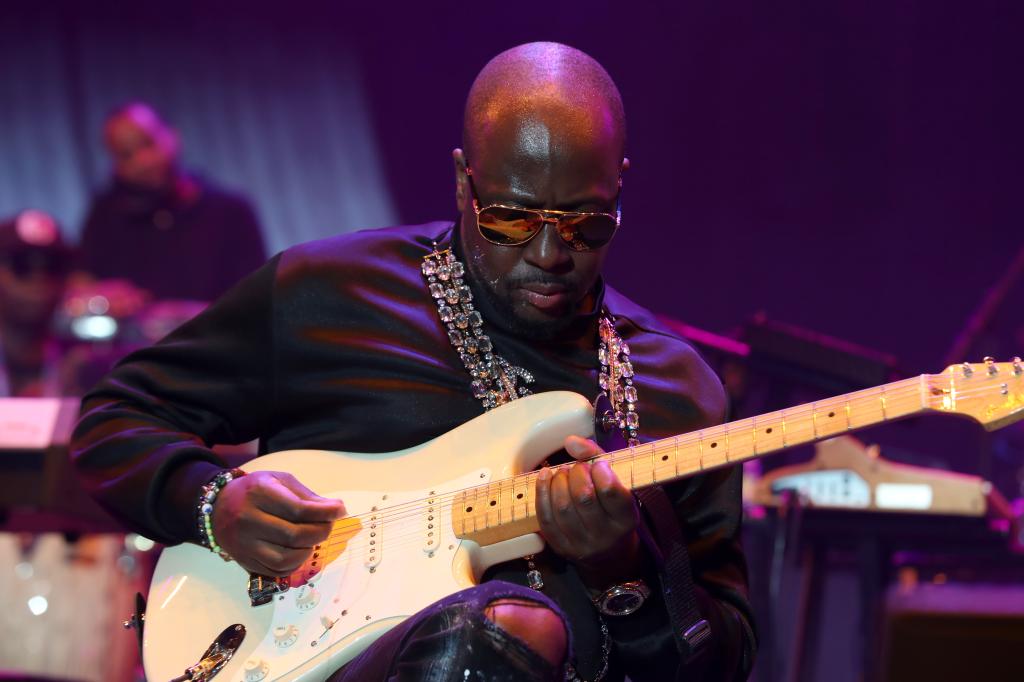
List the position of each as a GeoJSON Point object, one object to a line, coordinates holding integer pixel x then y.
{"type": "Point", "coordinates": [990, 392]}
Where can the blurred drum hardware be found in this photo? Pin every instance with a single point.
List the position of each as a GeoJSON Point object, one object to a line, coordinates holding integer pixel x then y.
{"type": "Point", "coordinates": [67, 571]}
{"type": "Point", "coordinates": [64, 600]}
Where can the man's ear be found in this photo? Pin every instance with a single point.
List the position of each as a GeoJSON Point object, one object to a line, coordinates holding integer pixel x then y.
{"type": "Point", "coordinates": [461, 182]}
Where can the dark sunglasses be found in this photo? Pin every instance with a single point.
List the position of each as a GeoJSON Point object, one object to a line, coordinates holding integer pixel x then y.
{"type": "Point", "coordinates": [514, 226]}
{"type": "Point", "coordinates": [26, 262]}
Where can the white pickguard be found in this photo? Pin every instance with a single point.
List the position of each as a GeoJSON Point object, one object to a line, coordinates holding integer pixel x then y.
{"type": "Point", "coordinates": [195, 595]}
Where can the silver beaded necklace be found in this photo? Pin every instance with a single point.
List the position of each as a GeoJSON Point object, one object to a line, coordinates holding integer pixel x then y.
{"type": "Point", "coordinates": [496, 381]}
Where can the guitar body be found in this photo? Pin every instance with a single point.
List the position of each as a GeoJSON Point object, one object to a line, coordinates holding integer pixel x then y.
{"type": "Point", "coordinates": [426, 522]}
{"type": "Point", "coordinates": [384, 569]}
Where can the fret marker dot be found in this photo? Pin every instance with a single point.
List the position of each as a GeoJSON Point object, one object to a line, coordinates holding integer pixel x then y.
{"type": "Point", "coordinates": [519, 496]}
{"type": "Point", "coordinates": [664, 458]}
{"type": "Point", "coordinates": [469, 509]}
{"type": "Point", "coordinates": [493, 502]}
{"type": "Point", "coordinates": [714, 445]}
{"type": "Point", "coordinates": [831, 414]}
{"type": "Point", "coordinates": [768, 430]}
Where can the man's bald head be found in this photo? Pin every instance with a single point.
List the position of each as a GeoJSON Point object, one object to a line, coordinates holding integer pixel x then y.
{"type": "Point", "coordinates": [143, 147]}
{"type": "Point", "coordinates": [544, 129]}
{"type": "Point", "coordinates": [547, 95]}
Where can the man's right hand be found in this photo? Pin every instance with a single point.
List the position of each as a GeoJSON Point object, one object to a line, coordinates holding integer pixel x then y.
{"type": "Point", "coordinates": [269, 522]}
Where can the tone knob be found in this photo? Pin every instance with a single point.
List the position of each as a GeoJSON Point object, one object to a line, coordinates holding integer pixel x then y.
{"type": "Point", "coordinates": [285, 635]}
{"type": "Point", "coordinates": [307, 598]}
{"type": "Point", "coordinates": [256, 669]}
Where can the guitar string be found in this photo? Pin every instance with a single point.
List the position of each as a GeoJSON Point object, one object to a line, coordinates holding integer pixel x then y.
{"type": "Point", "coordinates": [766, 420]}
{"type": "Point", "coordinates": [617, 456]}
{"type": "Point", "coordinates": [417, 534]}
{"type": "Point", "coordinates": [636, 455]}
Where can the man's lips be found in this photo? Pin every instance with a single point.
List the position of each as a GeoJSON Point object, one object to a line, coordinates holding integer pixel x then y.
{"type": "Point", "coordinates": [548, 297]}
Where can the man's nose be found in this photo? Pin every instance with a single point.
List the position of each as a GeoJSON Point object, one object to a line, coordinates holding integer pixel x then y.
{"type": "Point", "coordinates": [547, 251]}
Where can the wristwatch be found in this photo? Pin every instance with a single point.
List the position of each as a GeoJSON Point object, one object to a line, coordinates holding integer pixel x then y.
{"type": "Point", "coordinates": [624, 599]}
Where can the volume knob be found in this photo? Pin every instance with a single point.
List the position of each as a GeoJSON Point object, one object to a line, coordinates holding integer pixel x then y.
{"type": "Point", "coordinates": [285, 635]}
{"type": "Point", "coordinates": [307, 598]}
{"type": "Point", "coordinates": [256, 669]}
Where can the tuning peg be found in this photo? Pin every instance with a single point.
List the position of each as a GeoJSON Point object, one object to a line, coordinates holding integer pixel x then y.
{"type": "Point", "coordinates": [1017, 369]}
{"type": "Point", "coordinates": [990, 362]}
{"type": "Point", "coordinates": [967, 370]}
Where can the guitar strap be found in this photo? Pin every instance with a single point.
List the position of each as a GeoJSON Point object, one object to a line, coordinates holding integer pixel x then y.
{"type": "Point", "coordinates": [692, 631]}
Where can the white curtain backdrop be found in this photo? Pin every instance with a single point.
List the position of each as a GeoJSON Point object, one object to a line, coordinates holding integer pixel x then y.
{"type": "Point", "coordinates": [280, 116]}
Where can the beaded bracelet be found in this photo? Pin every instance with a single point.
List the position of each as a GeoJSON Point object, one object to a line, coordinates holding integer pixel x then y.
{"type": "Point", "coordinates": [204, 510]}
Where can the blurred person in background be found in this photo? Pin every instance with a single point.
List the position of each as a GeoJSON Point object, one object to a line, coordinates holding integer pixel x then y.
{"type": "Point", "coordinates": [169, 232]}
{"type": "Point", "coordinates": [34, 264]}
{"type": "Point", "coordinates": [66, 593]}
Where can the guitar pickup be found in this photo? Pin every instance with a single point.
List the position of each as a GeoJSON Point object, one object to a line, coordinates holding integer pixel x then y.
{"type": "Point", "coordinates": [431, 537]}
{"type": "Point", "coordinates": [375, 540]}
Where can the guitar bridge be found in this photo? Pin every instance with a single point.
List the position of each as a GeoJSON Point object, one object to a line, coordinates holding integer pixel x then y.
{"type": "Point", "coordinates": [262, 589]}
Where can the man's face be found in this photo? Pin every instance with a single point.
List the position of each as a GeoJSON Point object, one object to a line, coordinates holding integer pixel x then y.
{"type": "Point", "coordinates": [30, 289]}
{"type": "Point", "coordinates": [144, 151]}
{"type": "Point", "coordinates": [542, 285]}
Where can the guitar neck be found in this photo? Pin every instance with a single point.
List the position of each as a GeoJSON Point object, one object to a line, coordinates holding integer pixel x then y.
{"type": "Point", "coordinates": [677, 457]}
{"type": "Point", "coordinates": [505, 509]}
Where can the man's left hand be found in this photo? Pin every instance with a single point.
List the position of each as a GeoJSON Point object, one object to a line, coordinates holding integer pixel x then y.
{"type": "Point", "coordinates": [588, 517]}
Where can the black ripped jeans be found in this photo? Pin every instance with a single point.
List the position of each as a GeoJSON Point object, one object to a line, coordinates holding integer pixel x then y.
{"type": "Point", "coordinates": [453, 640]}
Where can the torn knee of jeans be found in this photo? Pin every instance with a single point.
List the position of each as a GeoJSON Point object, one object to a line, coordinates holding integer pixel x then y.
{"type": "Point", "coordinates": [512, 601]}
{"type": "Point", "coordinates": [533, 623]}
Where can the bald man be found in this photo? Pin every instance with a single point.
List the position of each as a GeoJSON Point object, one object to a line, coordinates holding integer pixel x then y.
{"type": "Point", "coordinates": [171, 233]}
{"type": "Point", "coordinates": [381, 340]}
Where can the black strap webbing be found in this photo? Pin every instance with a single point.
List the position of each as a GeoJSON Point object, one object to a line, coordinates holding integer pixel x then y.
{"type": "Point", "coordinates": [692, 630]}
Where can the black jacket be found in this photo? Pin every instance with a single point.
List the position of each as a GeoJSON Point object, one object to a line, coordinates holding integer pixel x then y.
{"type": "Point", "coordinates": [337, 345]}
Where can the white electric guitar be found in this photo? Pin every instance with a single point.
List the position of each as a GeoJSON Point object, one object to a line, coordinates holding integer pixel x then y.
{"type": "Point", "coordinates": [428, 521]}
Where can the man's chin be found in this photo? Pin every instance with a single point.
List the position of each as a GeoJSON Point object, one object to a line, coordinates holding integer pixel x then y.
{"type": "Point", "coordinates": [531, 322]}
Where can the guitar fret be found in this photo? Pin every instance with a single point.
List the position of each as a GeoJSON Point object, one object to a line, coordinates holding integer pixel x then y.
{"type": "Point", "coordinates": [753, 435]}
{"type": "Point", "coordinates": [685, 454]}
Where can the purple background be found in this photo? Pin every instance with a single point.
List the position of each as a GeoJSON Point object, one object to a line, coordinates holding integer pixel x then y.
{"type": "Point", "coordinates": [850, 167]}
{"type": "Point", "coordinates": [845, 166]}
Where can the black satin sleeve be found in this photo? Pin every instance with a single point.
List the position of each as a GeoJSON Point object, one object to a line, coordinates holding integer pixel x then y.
{"type": "Point", "coordinates": [142, 444]}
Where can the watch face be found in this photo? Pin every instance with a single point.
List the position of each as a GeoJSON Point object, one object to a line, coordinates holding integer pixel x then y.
{"type": "Point", "coordinates": [624, 602]}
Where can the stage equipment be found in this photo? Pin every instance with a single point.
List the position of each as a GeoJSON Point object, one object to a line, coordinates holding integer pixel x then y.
{"type": "Point", "coordinates": [846, 474]}
{"type": "Point", "coordinates": [428, 521]}
{"type": "Point", "coordinates": [848, 499]}
{"type": "Point", "coordinates": [952, 632]}
{"type": "Point", "coordinates": [34, 437]}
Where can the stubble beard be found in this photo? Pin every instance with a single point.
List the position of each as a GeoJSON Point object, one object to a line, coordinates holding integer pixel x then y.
{"type": "Point", "coordinates": [498, 295]}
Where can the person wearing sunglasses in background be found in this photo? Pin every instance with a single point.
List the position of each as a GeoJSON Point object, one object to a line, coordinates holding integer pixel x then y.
{"type": "Point", "coordinates": [380, 340]}
{"type": "Point", "coordinates": [34, 265]}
